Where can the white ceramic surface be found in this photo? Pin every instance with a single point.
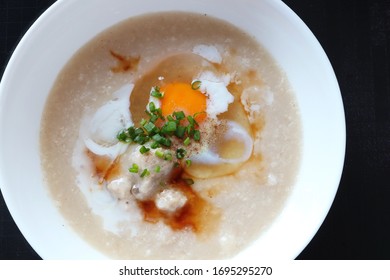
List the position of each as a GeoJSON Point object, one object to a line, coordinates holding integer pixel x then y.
{"type": "Point", "coordinates": [69, 24]}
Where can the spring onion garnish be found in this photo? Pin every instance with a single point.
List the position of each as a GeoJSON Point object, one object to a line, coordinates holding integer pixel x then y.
{"type": "Point", "coordinates": [150, 131]}
{"type": "Point", "coordinates": [145, 173]}
{"type": "Point", "coordinates": [195, 85]}
{"type": "Point", "coordinates": [159, 154]}
{"type": "Point", "coordinates": [153, 118]}
{"type": "Point", "coordinates": [191, 120]}
{"type": "Point", "coordinates": [155, 92]}
{"type": "Point", "coordinates": [123, 137]}
{"type": "Point", "coordinates": [134, 168]}
{"type": "Point", "coordinates": [168, 156]}
{"type": "Point", "coordinates": [179, 115]}
{"type": "Point", "coordinates": [169, 127]}
{"type": "Point", "coordinates": [162, 140]}
{"type": "Point", "coordinates": [143, 122]}
{"type": "Point", "coordinates": [150, 127]}
{"type": "Point", "coordinates": [152, 107]}
{"type": "Point", "coordinates": [196, 135]}
{"type": "Point", "coordinates": [187, 141]}
{"type": "Point", "coordinates": [161, 134]}
{"type": "Point", "coordinates": [141, 139]}
{"type": "Point", "coordinates": [180, 153]}
{"type": "Point", "coordinates": [160, 130]}
{"type": "Point", "coordinates": [144, 150]}
{"type": "Point", "coordinates": [155, 145]}
{"type": "Point", "coordinates": [180, 131]}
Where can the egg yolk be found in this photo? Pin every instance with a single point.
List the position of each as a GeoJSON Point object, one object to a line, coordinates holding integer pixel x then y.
{"type": "Point", "coordinates": [181, 97]}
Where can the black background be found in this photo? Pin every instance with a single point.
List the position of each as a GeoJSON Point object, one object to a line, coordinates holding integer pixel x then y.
{"type": "Point", "coordinates": [356, 37]}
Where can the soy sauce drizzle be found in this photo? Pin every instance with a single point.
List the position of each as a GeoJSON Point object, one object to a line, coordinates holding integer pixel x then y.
{"type": "Point", "coordinates": [197, 215]}
{"type": "Point", "coordinates": [125, 63]}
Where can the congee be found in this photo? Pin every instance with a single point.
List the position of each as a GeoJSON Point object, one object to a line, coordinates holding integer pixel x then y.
{"type": "Point", "coordinates": [171, 136]}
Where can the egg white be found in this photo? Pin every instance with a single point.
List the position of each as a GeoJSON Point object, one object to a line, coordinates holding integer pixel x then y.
{"type": "Point", "coordinates": [209, 156]}
{"type": "Point", "coordinates": [218, 96]}
{"type": "Point", "coordinates": [208, 52]}
{"type": "Point", "coordinates": [100, 131]}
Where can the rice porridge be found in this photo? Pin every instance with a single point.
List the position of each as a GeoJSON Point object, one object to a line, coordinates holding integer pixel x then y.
{"type": "Point", "coordinates": [171, 136]}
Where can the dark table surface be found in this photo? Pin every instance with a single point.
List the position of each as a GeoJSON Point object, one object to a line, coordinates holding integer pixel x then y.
{"type": "Point", "coordinates": [356, 37]}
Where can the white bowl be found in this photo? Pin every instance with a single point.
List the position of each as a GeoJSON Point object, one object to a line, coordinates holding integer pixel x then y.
{"type": "Point", "coordinates": [69, 24]}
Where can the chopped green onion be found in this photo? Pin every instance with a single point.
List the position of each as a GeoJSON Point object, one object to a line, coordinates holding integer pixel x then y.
{"type": "Point", "coordinates": [144, 150]}
{"type": "Point", "coordinates": [168, 156]}
{"type": "Point", "coordinates": [159, 113]}
{"type": "Point", "coordinates": [128, 135]}
{"type": "Point", "coordinates": [122, 136]}
{"type": "Point", "coordinates": [145, 173]}
{"type": "Point", "coordinates": [157, 93]}
{"type": "Point", "coordinates": [189, 129]}
{"type": "Point", "coordinates": [187, 141]}
{"type": "Point", "coordinates": [191, 120]}
{"type": "Point", "coordinates": [141, 139]}
{"type": "Point", "coordinates": [131, 131]}
{"type": "Point", "coordinates": [195, 85]}
{"type": "Point", "coordinates": [180, 153]}
{"type": "Point", "coordinates": [150, 127]}
{"type": "Point", "coordinates": [143, 122]}
{"type": "Point", "coordinates": [180, 131]}
{"type": "Point", "coordinates": [138, 131]}
{"type": "Point", "coordinates": [162, 140]}
{"type": "Point", "coordinates": [157, 138]}
{"type": "Point", "coordinates": [196, 135]}
{"type": "Point", "coordinates": [169, 127]}
{"type": "Point", "coordinates": [160, 135]}
{"type": "Point", "coordinates": [179, 115]}
{"type": "Point", "coordinates": [159, 153]}
{"type": "Point", "coordinates": [133, 168]}
{"type": "Point", "coordinates": [152, 107]}
{"type": "Point", "coordinates": [153, 118]}
{"type": "Point", "coordinates": [155, 145]}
